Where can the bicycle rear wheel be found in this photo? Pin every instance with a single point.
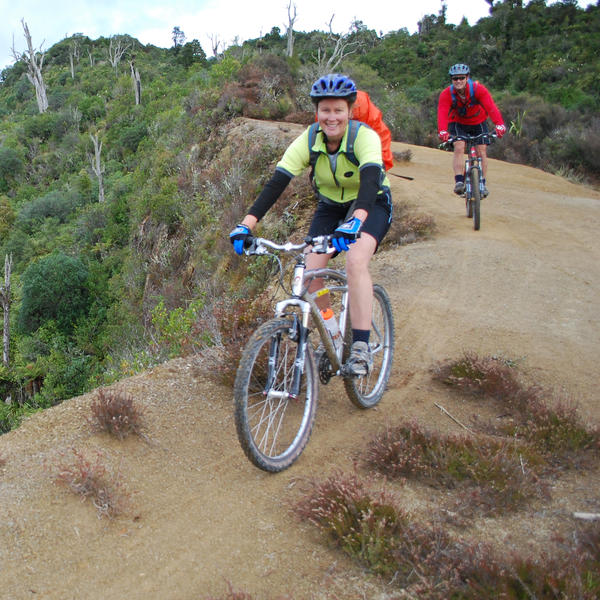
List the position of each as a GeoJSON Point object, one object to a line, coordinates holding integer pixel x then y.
{"type": "Point", "coordinates": [476, 200]}
{"type": "Point", "coordinates": [366, 391]}
{"type": "Point", "coordinates": [273, 427]}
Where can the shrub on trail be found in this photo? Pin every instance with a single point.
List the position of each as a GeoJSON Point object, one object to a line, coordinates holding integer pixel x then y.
{"type": "Point", "coordinates": [116, 412]}
{"type": "Point", "coordinates": [429, 563]}
{"type": "Point", "coordinates": [490, 474]}
{"type": "Point", "coordinates": [552, 428]}
{"type": "Point", "coordinates": [93, 480]}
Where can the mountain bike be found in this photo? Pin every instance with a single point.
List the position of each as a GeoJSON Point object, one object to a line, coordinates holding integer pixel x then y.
{"type": "Point", "coordinates": [277, 383]}
{"type": "Point", "coordinates": [473, 174]}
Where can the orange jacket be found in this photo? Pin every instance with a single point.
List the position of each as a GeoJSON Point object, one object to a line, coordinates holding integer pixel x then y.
{"type": "Point", "coordinates": [364, 110]}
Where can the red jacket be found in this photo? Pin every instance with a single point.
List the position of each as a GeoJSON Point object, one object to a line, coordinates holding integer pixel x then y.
{"type": "Point", "coordinates": [473, 115]}
{"type": "Point", "coordinates": [366, 111]}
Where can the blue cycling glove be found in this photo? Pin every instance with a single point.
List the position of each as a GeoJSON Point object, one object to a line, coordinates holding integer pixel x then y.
{"type": "Point", "coordinates": [346, 233]}
{"type": "Point", "coordinates": [241, 237]}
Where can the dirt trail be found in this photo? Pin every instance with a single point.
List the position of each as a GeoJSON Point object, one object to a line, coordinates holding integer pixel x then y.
{"type": "Point", "coordinates": [526, 286]}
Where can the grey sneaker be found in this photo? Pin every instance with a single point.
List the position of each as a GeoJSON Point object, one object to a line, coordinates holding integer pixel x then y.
{"type": "Point", "coordinates": [459, 187]}
{"type": "Point", "coordinates": [485, 191]}
{"type": "Point", "coordinates": [360, 361]}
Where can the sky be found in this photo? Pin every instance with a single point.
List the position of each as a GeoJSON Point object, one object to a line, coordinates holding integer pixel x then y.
{"type": "Point", "coordinates": [152, 21]}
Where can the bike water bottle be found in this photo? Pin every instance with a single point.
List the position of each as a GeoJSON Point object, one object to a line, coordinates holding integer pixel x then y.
{"type": "Point", "coordinates": [332, 326]}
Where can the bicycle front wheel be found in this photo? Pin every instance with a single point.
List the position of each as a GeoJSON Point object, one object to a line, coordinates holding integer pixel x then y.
{"type": "Point", "coordinates": [476, 200]}
{"type": "Point", "coordinates": [469, 207]}
{"type": "Point", "coordinates": [366, 391]}
{"type": "Point", "coordinates": [273, 427]}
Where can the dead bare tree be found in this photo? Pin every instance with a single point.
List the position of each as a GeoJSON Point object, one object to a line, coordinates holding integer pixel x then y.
{"type": "Point", "coordinates": [137, 82]}
{"type": "Point", "coordinates": [35, 61]}
{"type": "Point", "coordinates": [215, 43]}
{"type": "Point", "coordinates": [74, 53]}
{"type": "Point", "coordinates": [91, 56]}
{"type": "Point", "coordinates": [290, 28]}
{"type": "Point", "coordinates": [97, 166]}
{"type": "Point", "coordinates": [116, 49]}
{"type": "Point", "coordinates": [5, 300]}
{"type": "Point", "coordinates": [343, 47]}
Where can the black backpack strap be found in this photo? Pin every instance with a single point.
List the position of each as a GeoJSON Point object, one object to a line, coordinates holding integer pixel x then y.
{"type": "Point", "coordinates": [353, 127]}
{"type": "Point", "coordinates": [313, 154]}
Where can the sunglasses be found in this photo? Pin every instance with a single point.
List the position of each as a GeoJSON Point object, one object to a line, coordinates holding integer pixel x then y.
{"type": "Point", "coordinates": [458, 78]}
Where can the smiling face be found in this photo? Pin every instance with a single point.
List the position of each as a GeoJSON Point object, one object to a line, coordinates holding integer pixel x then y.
{"type": "Point", "coordinates": [459, 82]}
{"type": "Point", "coordinates": [333, 115]}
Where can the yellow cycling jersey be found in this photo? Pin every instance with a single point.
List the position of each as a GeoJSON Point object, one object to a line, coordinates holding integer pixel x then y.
{"type": "Point", "coordinates": [335, 176]}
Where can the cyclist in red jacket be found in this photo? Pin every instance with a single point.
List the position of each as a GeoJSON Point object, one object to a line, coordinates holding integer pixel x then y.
{"type": "Point", "coordinates": [463, 109]}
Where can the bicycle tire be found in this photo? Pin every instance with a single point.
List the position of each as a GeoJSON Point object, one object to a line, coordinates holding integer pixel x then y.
{"type": "Point", "coordinates": [273, 429]}
{"type": "Point", "coordinates": [476, 201]}
{"type": "Point", "coordinates": [468, 204]}
{"type": "Point", "coordinates": [367, 391]}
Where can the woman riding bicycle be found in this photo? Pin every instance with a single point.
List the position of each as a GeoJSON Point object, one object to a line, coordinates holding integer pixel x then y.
{"type": "Point", "coordinates": [463, 109]}
{"type": "Point", "coordinates": [354, 200]}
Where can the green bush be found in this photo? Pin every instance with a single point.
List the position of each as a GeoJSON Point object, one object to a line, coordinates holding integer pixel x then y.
{"type": "Point", "coordinates": [11, 166]}
{"type": "Point", "coordinates": [59, 205]}
{"type": "Point", "coordinates": [54, 288]}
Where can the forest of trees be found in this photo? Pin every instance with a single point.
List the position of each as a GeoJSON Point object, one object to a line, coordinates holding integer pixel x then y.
{"type": "Point", "coordinates": [115, 197]}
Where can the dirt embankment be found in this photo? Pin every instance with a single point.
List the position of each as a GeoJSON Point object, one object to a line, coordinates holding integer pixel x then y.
{"type": "Point", "coordinates": [526, 287]}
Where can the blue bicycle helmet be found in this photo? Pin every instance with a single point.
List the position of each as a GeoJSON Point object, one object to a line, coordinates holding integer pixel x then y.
{"type": "Point", "coordinates": [459, 69]}
{"type": "Point", "coordinates": [333, 85]}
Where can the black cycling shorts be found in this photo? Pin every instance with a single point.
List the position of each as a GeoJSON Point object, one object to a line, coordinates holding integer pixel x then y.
{"type": "Point", "coordinates": [459, 129]}
{"type": "Point", "coordinates": [329, 215]}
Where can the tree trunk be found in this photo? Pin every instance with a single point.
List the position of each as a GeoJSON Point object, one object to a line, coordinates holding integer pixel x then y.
{"type": "Point", "coordinates": [97, 166]}
{"type": "Point", "coordinates": [137, 84]}
{"type": "Point", "coordinates": [5, 300]}
{"type": "Point", "coordinates": [290, 29]}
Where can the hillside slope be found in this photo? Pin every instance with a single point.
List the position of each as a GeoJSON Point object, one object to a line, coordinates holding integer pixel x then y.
{"type": "Point", "coordinates": [526, 287]}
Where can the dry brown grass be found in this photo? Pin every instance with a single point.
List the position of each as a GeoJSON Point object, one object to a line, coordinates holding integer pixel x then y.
{"type": "Point", "coordinates": [550, 426]}
{"type": "Point", "coordinates": [492, 476]}
{"type": "Point", "coordinates": [93, 480]}
{"type": "Point", "coordinates": [408, 226]}
{"type": "Point", "coordinates": [428, 563]}
{"type": "Point", "coordinates": [115, 412]}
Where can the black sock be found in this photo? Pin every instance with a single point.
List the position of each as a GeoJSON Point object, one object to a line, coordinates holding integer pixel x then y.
{"type": "Point", "coordinates": [458, 178]}
{"type": "Point", "coordinates": [360, 335]}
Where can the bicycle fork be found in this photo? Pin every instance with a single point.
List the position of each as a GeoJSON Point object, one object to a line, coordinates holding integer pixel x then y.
{"type": "Point", "coordinates": [473, 163]}
{"type": "Point", "coordinates": [298, 331]}
{"type": "Point", "coordinates": [301, 334]}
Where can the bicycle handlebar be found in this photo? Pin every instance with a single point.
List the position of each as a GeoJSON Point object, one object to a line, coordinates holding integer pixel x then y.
{"type": "Point", "coordinates": [321, 244]}
{"type": "Point", "coordinates": [466, 138]}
